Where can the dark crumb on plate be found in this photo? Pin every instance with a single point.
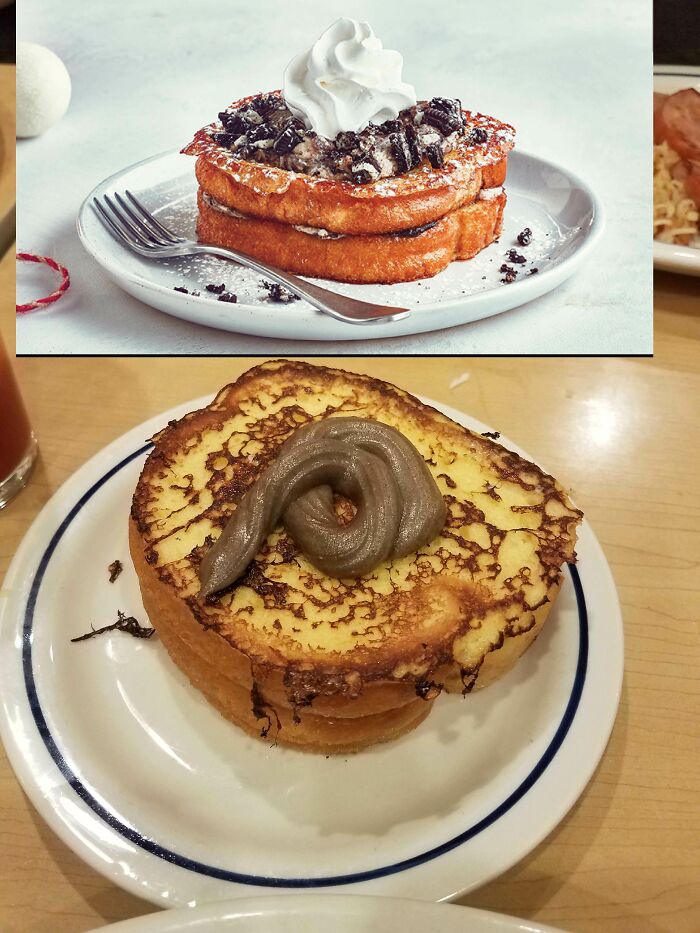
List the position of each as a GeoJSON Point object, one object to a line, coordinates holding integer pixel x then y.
{"type": "Point", "coordinates": [195, 294]}
{"type": "Point", "coordinates": [228, 296]}
{"type": "Point", "coordinates": [181, 288]}
{"type": "Point", "coordinates": [217, 289]}
{"type": "Point", "coordinates": [509, 274]}
{"type": "Point", "coordinates": [514, 256]}
{"type": "Point", "coordinates": [494, 435]}
{"type": "Point", "coordinates": [124, 623]}
{"type": "Point", "coordinates": [533, 271]}
{"type": "Point", "coordinates": [525, 236]}
{"type": "Point", "coordinates": [114, 569]}
{"type": "Point", "coordinates": [279, 293]}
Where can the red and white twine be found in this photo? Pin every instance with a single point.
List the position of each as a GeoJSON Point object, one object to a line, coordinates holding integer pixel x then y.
{"type": "Point", "coordinates": [54, 296]}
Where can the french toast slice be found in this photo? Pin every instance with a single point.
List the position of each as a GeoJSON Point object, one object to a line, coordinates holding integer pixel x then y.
{"type": "Point", "coordinates": [335, 665]}
{"type": "Point", "coordinates": [388, 204]}
{"type": "Point", "coordinates": [382, 258]}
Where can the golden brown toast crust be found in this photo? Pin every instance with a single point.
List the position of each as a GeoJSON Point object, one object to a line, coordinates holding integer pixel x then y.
{"type": "Point", "coordinates": [172, 614]}
{"type": "Point", "coordinates": [398, 203]}
{"type": "Point", "coordinates": [301, 730]}
{"type": "Point", "coordinates": [381, 258]}
{"type": "Point", "coordinates": [457, 601]}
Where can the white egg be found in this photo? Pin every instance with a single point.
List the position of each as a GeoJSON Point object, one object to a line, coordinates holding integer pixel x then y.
{"type": "Point", "coordinates": [43, 89]}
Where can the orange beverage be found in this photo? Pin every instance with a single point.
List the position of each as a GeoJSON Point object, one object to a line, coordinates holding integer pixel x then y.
{"type": "Point", "coordinates": [18, 447]}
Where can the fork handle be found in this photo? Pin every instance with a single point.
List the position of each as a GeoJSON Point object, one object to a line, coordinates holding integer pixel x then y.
{"type": "Point", "coordinates": [338, 306]}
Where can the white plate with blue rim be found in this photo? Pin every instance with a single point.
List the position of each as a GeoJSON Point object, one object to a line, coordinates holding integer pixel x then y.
{"type": "Point", "coordinates": [564, 215]}
{"type": "Point", "coordinates": [319, 913]}
{"type": "Point", "coordinates": [674, 257]}
{"type": "Point", "coordinates": [145, 781]}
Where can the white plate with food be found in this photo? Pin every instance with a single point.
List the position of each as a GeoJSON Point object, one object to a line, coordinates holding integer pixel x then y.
{"type": "Point", "coordinates": [142, 778]}
{"type": "Point", "coordinates": [564, 215]}
{"type": "Point", "coordinates": [317, 913]}
{"type": "Point", "coordinates": [676, 171]}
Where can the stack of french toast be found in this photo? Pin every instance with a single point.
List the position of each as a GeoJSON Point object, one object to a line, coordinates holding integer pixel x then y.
{"type": "Point", "coordinates": [394, 202]}
{"type": "Point", "coordinates": [319, 661]}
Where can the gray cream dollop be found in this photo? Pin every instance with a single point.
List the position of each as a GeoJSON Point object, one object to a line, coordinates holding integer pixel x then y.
{"type": "Point", "coordinates": [399, 506]}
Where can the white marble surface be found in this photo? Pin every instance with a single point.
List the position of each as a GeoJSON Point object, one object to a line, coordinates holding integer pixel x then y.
{"type": "Point", "coordinates": [575, 79]}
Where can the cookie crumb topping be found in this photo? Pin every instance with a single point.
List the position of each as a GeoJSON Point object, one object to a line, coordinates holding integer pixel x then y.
{"type": "Point", "coordinates": [264, 130]}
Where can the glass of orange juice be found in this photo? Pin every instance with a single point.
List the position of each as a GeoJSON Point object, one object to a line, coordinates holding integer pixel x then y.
{"type": "Point", "coordinates": [18, 447]}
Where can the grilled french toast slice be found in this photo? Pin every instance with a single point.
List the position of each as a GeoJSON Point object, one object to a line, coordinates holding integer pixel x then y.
{"type": "Point", "coordinates": [388, 204]}
{"type": "Point", "coordinates": [373, 258]}
{"type": "Point", "coordinates": [325, 664]}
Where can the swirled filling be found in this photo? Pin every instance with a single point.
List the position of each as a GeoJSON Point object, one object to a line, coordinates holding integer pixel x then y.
{"type": "Point", "coordinates": [399, 507]}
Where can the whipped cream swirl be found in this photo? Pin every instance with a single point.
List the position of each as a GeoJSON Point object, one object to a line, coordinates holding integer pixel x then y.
{"type": "Point", "coordinates": [346, 81]}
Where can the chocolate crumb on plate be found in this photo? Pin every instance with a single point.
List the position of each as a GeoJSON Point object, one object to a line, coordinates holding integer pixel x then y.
{"type": "Point", "coordinates": [228, 296]}
{"type": "Point", "coordinates": [514, 256]}
{"type": "Point", "coordinates": [525, 236]}
{"type": "Point", "coordinates": [509, 274]}
{"type": "Point", "coordinates": [494, 435]}
{"type": "Point", "coordinates": [278, 293]}
{"type": "Point", "coordinates": [181, 288]}
{"type": "Point", "coordinates": [114, 569]}
{"type": "Point", "coordinates": [217, 289]}
{"type": "Point", "coordinates": [533, 271]}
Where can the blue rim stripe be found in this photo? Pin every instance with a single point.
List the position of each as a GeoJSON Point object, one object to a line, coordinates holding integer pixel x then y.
{"type": "Point", "coordinates": [260, 880]}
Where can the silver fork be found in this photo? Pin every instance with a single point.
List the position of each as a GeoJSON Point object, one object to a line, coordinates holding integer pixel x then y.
{"type": "Point", "coordinates": [136, 228]}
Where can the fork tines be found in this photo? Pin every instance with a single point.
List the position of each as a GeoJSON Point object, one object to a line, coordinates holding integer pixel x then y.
{"type": "Point", "coordinates": [133, 224]}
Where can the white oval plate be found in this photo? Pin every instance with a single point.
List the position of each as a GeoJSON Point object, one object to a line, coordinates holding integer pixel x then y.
{"type": "Point", "coordinates": [559, 208]}
{"type": "Point", "coordinates": [319, 913]}
{"type": "Point", "coordinates": [134, 770]}
{"type": "Point", "coordinates": [669, 256]}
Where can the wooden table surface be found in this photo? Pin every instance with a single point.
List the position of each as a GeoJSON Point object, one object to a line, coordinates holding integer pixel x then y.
{"type": "Point", "coordinates": [622, 434]}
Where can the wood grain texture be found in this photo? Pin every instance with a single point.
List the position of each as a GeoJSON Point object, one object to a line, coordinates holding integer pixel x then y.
{"type": "Point", "coordinates": [7, 154]}
{"type": "Point", "coordinates": [622, 435]}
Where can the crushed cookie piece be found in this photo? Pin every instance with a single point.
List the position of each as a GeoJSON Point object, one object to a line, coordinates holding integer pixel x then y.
{"type": "Point", "coordinates": [181, 288]}
{"type": "Point", "coordinates": [401, 152]}
{"type": "Point", "coordinates": [524, 237]}
{"type": "Point", "coordinates": [278, 293]}
{"type": "Point", "coordinates": [228, 296]}
{"type": "Point", "coordinates": [217, 289]}
{"type": "Point", "coordinates": [435, 156]}
{"type": "Point", "coordinates": [494, 435]}
{"type": "Point", "coordinates": [514, 256]}
{"type": "Point", "coordinates": [288, 140]}
{"type": "Point", "coordinates": [446, 122]}
{"type": "Point", "coordinates": [224, 139]}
